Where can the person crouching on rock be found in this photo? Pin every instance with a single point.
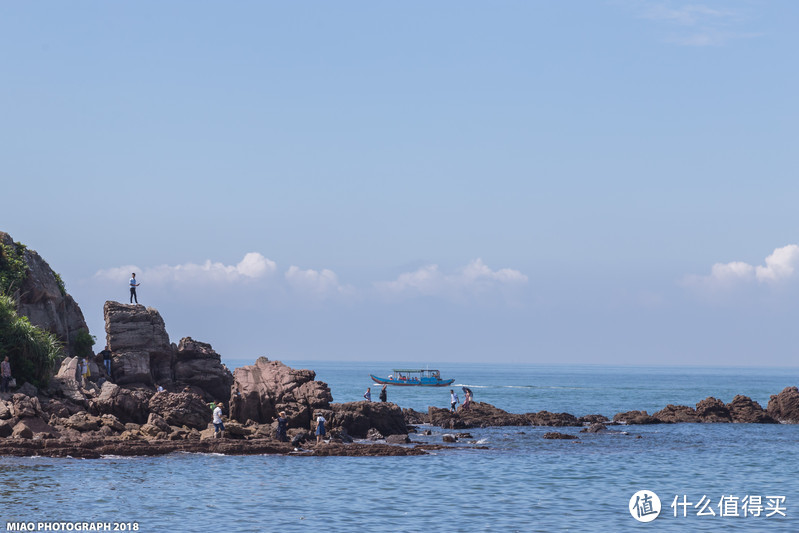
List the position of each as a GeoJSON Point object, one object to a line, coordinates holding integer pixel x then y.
{"type": "Point", "coordinates": [281, 427]}
{"type": "Point", "coordinates": [219, 427]}
{"type": "Point", "coordinates": [320, 428]}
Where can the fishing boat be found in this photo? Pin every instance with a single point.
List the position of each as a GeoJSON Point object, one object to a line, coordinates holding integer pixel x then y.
{"type": "Point", "coordinates": [413, 377]}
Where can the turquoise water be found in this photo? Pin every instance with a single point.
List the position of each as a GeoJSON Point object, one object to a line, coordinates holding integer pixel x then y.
{"type": "Point", "coordinates": [522, 482]}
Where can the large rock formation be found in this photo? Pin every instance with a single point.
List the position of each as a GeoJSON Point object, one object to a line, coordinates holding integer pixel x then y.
{"type": "Point", "coordinates": [784, 406]}
{"type": "Point", "coordinates": [357, 418]}
{"type": "Point", "coordinates": [40, 298]}
{"type": "Point", "coordinates": [139, 343]}
{"type": "Point", "coordinates": [143, 356]}
{"type": "Point", "coordinates": [264, 389]}
{"type": "Point", "coordinates": [198, 365]}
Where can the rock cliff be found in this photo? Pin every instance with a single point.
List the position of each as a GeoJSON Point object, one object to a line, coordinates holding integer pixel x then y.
{"type": "Point", "coordinates": [41, 299]}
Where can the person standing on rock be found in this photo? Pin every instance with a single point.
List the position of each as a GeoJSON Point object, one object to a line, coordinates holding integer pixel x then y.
{"type": "Point", "coordinates": [368, 394]}
{"type": "Point", "coordinates": [453, 400]}
{"type": "Point", "coordinates": [219, 427]}
{"type": "Point", "coordinates": [133, 285]}
{"type": "Point", "coordinates": [383, 394]}
{"type": "Point", "coordinates": [281, 427]}
{"type": "Point", "coordinates": [107, 360]}
{"type": "Point", "coordinates": [5, 374]}
{"type": "Point", "coordinates": [320, 428]}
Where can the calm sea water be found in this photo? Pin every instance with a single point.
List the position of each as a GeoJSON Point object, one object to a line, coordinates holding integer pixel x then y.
{"type": "Point", "coordinates": [522, 482]}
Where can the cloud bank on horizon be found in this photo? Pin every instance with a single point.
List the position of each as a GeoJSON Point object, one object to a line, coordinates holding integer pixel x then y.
{"type": "Point", "coordinates": [473, 278]}
{"type": "Point", "coordinates": [779, 266]}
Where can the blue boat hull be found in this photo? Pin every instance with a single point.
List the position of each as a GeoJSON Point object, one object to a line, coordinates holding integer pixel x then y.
{"type": "Point", "coordinates": [423, 382]}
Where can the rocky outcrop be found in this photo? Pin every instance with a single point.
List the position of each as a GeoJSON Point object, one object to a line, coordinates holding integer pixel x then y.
{"type": "Point", "coordinates": [142, 355]}
{"type": "Point", "coordinates": [784, 406]}
{"type": "Point", "coordinates": [198, 366]}
{"type": "Point", "coordinates": [126, 404]}
{"type": "Point", "coordinates": [181, 409]}
{"type": "Point", "coordinates": [139, 343]}
{"type": "Point", "coordinates": [264, 389]}
{"type": "Point", "coordinates": [357, 418]}
{"type": "Point", "coordinates": [744, 410]}
{"type": "Point", "coordinates": [40, 298]}
{"type": "Point", "coordinates": [672, 414]}
{"type": "Point", "coordinates": [713, 410]}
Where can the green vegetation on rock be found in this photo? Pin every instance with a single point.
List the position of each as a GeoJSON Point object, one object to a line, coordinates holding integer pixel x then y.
{"type": "Point", "coordinates": [82, 345]}
{"type": "Point", "coordinates": [13, 268]}
{"type": "Point", "coordinates": [32, 351]}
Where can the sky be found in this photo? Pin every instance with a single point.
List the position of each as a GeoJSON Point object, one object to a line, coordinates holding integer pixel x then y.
{"type": "Point", "coordinates": [609, 182]}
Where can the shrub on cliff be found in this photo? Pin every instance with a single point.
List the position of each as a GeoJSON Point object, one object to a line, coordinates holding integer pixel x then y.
{"type": "Point", "coordinates": [13, 268]}
{"type": "Point", "coordinates": [32, 351]}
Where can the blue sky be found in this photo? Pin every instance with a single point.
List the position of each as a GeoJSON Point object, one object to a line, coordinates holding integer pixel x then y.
{"type": "Point", "coordinates": [596, 182]}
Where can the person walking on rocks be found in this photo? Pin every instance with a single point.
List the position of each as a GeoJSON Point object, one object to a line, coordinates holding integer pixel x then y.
{"type": "Point", "coordinates": [281, 427]}
{"type": "Point", "coordinates": [368, 394]}
{"type": "Point", "coordinates": [383, 394]}
{"type": "Point", "coordinates": [5, 374]}
{"type": "Point", "coordinates": [219, 427]}
{"type": "Point", "coordinates": [320, 428]}
{"type": "Point", "coordinates": [453, 400]}
{"type": "Point", "coordinates": [133, 285]}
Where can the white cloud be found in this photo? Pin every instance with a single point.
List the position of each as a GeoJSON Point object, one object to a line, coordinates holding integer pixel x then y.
{"type": "Point", "coordinates": [473, 278]}
{"type": "Point", "coordinates": [252, 266]}
{"type": "Point", "coordinates": [691, 24]}
{"type": "Point", "coordinates": [779, 266]}
{"type": "Point", "coordinates": [320, 283]}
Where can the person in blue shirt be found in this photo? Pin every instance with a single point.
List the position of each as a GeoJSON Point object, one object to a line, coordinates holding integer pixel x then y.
{"type": "Point", "coordinates": [133, 286]}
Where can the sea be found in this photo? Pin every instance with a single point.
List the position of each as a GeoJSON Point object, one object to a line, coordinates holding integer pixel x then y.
{"type": "Point", "coordinates": [706, 477]}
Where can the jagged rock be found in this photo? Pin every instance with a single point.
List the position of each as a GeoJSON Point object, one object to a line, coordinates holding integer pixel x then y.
{"type": "Point", "coordinates": [784, 406]}
{"type": "Point", "coordinates": [414, 417]}
{"type": "Point", "coordinates": [6, 428]}
{"type": "Point", "coordinates": [25, 407]}
{"type": "Point", "coordinates": [745, 410]}
{"type": "Point", "coordinates": [545, 418]}
{"type": "Point", "coordinates": [198, 365]}
{"type": "Point", "coordinates": [449, 438]}
{"type": "Point", "coordinates": [68, 369]}
{"type": "Point", "coordinates": [672, 414]}
{"type": "Point", "coordinates": [112, 422]}
{"type": "Point", "coordinates": [157, 422]}
{"type": "Point", "coordinates": [127, 405]}
{"type": "Point", "coordinates": [267, 387]}
{"type": "Point", "coordinates": [22, 431]}
{"type": "Point", "coordinates": [40, 299]}
{"type": "Point", "coordinates": [67, 388]}
{"type": "Point", "coordinates": [373, 434]}
{"type": "Point", "coordinates": [83, 422]}
{"type": "Point", "coordinates": [139, 343]}
{"type": "Point", "coordinates": [61, 408]}
{"type": "Point", "coordinates": [5, 411]}
{"type": "Point", "coordinates": [28, 390]}
{"type": "Point", "coordinates": [181, 409]}
{"type": "Point", "coordinates": [713, 410]}
{"type": "Point", "coordinates": [563, 436]}
{"type": "Point", "coordinates": [357, 418]}
{"type": "Point", "coordinates": [398, 439]}
{"type": "Point", "coordinates": [635, 417]}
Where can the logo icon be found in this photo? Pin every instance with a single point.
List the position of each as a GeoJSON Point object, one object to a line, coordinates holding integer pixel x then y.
{"type": "Point", "coordinates": [645, 506]}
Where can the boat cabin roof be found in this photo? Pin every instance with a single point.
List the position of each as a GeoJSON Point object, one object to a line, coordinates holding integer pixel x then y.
{"type": "Point", "coordinates": [417, 371]}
